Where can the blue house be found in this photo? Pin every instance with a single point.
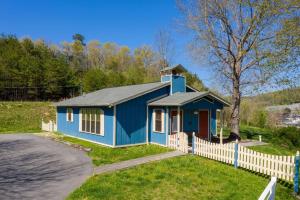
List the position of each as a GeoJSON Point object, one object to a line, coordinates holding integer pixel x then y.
{"type": "Point", "coordinates": [141, 114]}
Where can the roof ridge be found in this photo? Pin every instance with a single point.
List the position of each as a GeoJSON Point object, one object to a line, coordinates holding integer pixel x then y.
{"type": "Point", "coordinates": [125, 86]}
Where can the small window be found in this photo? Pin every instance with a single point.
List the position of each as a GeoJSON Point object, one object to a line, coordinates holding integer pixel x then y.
{"type": "Point", "coordinates": [69, 114]}
{"type": "Point", "coordinates": [92, 121]}
{"type": "Point", "coordinates": [158, 120]}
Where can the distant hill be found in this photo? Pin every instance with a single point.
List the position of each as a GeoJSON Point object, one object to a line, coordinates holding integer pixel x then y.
{"type": "Point", "coordinates": [282, 97]}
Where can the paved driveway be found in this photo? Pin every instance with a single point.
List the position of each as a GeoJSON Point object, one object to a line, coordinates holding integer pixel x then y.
{"type": "Point", "coordinates": [32, 167]}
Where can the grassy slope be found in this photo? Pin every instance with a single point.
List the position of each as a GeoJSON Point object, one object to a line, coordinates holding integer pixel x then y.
{"type": "Point", "coordinates": [281, 97]}
{"type": "Point", "coordinates": [186, 177]}
{"type": "Point", "coordinates": [274, 150]}
{"type": "Point", "coordinates": [249, 132]}
{"type": "Point", "coordinates": [24, 116]}
{"type": "Point", "coordinates": [105, 155]}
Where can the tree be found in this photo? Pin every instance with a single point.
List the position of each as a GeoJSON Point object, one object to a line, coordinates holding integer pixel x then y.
{"type": "Point", "coordinates": [94, 54]}
{"type": "Point", "coordinates": [240, 40]}
{"type": "Point", "coordinates": [165, 48]}
{"type": "Point", "coordinates": [144, 56]}
{"type": "Point", "coordinates": [79, 37]}
{"type": "Point", "coordinates": [94, 79]}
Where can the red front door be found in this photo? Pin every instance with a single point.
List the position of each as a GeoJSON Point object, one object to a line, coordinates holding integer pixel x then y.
{"type": "Point", "coordinates": [203, 124]}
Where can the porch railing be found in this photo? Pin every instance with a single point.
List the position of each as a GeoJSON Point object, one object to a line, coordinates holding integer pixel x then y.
{"type": "Point", "coordinates": [269, 192]}
{"type": "Point", "coordinates": [179, 141]}
{"type": "Point", "coordinates": [50, 126]}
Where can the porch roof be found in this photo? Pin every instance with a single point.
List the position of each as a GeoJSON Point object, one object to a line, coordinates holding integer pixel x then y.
{"type": "Point", "coordinates": [180, 99]}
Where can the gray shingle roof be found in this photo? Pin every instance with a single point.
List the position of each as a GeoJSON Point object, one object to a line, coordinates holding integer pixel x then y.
{"type": "Point", "coordinates": [112, 96]}
{"type": "Point", "coordinates": [179, 99]}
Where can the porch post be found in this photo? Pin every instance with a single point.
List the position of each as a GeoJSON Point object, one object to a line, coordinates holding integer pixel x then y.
{"type": "Point", "coordinates": [221, 129]}
{"type": "Point", "coordinates": [147, 125]}
{"type": "Point", "coordinates": [178, 123]}
{"type": "Point", "coordinates": [167, 126]}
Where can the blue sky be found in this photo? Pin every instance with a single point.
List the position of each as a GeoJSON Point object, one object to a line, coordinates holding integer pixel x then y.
{"type": "Point", "coordinates": [131, 22]}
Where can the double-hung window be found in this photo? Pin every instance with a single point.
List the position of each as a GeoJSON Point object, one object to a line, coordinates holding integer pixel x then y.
{"type": "Point", "coordinates": [92, 121]}
{"type": "Point", "coordinates": [69, 116]}
{"type": "Point", "coordinates": [158, 120]}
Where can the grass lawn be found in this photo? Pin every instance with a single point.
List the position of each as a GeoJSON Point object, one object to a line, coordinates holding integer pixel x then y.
{"type": "Point", "coordinates": [185, 177]}
{"type": "Point", "coordinates": [273, 149]}
{"type": "Point", "coordinates": [104, 155]}
{"type": "Point", "coordinates": [252, 133]}
{"type": "Point", "coordinates": [24, 116]}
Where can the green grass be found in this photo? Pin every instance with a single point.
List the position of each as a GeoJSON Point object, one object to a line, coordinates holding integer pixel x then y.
{"type": "Point", "coordinates": [24, 116]}
{"type": "Point", "coordinates": [186, 177]}
{"type": "Point", "coordinates": [274, 145]}
{"type": "Point", "coordinates": [105, 155]}
{"type": "Point", "coordinates": [252, 133]}
{"type": "Point", "coordinates": [273, 149]}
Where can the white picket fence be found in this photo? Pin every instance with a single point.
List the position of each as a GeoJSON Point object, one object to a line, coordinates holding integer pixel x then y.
{"type": "Point", "coordinates": [220, 152]}
{"type": "Point", "coordinates": [279, 166]}
{"type": "Point", "coordinates": [270, 190]}
{"type": "Point", "coordinates": [179, 141]}
{"type": "Point", "coordinates": [50, 126]}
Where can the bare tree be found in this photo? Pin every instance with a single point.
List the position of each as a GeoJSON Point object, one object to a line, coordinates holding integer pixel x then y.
{"type": "Point", "coordinates": [165, 47]}
{"type": "Point", "coordinates": [239, 37]}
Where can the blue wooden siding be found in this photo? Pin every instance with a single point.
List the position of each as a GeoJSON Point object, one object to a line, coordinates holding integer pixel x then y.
{"type": "Point", "coordinates": [131, 118]}
{"type": "Point", "coordinates": [72, 128]}
{"type": "Point", "coordinates": [156, 137]}
{"type": "Point", "coordinates": [190, 120]}
{"type": "Point", "coordinates": [178, 84]}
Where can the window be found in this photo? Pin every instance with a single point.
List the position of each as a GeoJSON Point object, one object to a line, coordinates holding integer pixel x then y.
{"type": "Point", "coordinates": [69, 114]}
{"type": "Point", "coordinates": [158, 120]}
{"type": "Point", "coordinates": [92, 121]}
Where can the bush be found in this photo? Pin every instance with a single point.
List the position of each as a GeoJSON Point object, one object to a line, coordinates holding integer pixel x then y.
{"type": "Point", "coordinates": [289, 137]}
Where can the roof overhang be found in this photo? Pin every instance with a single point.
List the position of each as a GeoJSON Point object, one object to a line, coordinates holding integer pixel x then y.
{"type": "Point", "coordinates": [189, 100]}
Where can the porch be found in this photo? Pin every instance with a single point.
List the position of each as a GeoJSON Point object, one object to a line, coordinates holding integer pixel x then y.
{"type": "Point", "coordinates": [198, 112]}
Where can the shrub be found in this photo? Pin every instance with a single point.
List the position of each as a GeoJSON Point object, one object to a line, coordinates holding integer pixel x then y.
{"type": "Point", "coordinates": [289, 136]}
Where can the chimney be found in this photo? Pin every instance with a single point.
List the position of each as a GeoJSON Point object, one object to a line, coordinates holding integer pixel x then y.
{"type": "Point", "coordinates": [174, 75]}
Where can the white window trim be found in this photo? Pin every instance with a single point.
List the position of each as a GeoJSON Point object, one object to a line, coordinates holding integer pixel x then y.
{"type": "Point", "coordinates": [67, 119]}
{"type": "Point", "coordinates": [101, 122]}
{"type": "Point", "coordinates": [162, 121]}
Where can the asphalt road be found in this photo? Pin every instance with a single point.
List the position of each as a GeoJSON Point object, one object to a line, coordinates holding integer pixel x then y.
{"type": "Point", "coordinates": [33, 167]}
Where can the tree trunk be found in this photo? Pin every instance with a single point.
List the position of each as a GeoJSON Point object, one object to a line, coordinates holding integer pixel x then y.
{"type": "Point", "coordinates": [235, 110]}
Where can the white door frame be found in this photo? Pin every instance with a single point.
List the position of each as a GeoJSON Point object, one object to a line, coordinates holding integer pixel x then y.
{"type": "Point", "coordinates": [170, 116]}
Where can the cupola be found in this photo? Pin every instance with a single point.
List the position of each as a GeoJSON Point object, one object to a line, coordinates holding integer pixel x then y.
{"type": "Point", "coordinates": [175, 76]}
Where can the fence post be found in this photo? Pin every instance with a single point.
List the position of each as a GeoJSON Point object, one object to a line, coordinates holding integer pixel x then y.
{"type": "Point", "coordinates": [193, 143]}
{"type": "Point", "coordinates": [259, 138]}
{"type": "Point", "coordinates": [296, 175]}
{"type": "Point", "coordinates": [236, 149]}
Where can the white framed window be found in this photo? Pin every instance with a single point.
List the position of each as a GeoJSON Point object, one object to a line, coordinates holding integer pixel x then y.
{"type": "Point", "coordinates": [69, 115]}
{"type": "Point", "coordinates": [91, 120]}
{"type": "Point", "coordinates": [158, 120]}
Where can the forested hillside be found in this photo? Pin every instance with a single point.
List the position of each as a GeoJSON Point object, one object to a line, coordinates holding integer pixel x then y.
{"type": "Point", "coordinates": [253, 108]}
{"type": "Point", "coordinates": [35, 70]}
{"type": "Point", "coordinates": [282, 97]}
